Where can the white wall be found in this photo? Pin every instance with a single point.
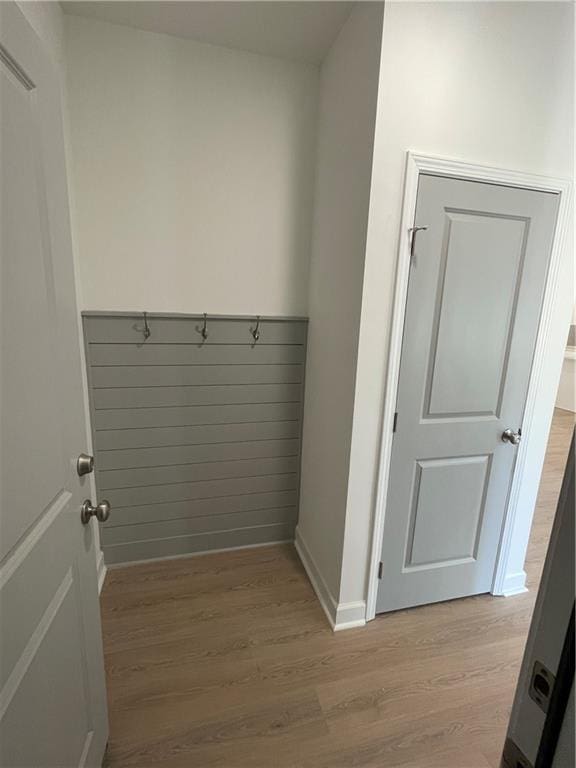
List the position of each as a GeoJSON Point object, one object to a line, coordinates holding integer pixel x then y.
{"type": "Point", "coordinates": [348, 89]}
{"type": "Point", "coordinates": [486, 82]}
{"type": "Point", "coordinates": [193, 173]}
{"type": "Point", "coordinates": [47, 20]}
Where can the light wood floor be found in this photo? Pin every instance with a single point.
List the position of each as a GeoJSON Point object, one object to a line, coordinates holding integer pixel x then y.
{"type": "Point", "coordinates": [227, 660]}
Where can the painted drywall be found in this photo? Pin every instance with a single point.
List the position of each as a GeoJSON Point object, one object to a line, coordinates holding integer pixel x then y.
{"type": "Point", "coordinates": [193, 169]}
{"type": "Point", "coordinates": [488, 83]}
{"type": "Point", "coordinates": [348, 90]}
{"type": "Point", "coordinates": [47, 20]}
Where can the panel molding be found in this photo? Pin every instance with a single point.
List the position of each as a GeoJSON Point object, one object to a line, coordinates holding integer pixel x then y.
{"type": "Point", "coordinates": [536, 406]}
{"type": "Point", "coordinates": [28, 654]}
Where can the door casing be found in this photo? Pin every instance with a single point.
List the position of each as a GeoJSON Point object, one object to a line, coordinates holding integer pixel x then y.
{"type": "Point", "coordinates": [538, 408]}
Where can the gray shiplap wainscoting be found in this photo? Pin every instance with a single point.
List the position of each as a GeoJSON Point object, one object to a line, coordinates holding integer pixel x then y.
{"type": "Point", "coordinates": [197, 443]}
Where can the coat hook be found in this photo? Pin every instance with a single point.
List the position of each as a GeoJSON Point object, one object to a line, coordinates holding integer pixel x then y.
{"type": "Point", "coordinates": [202, 329]}
{"type": "Point", "coordinates": [256, 331]}
{"type": "Point", "coordinates": [146, 330]}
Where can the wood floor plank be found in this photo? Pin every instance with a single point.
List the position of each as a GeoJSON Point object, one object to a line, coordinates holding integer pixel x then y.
{"type": "Point", "coordinates": [226, 661]}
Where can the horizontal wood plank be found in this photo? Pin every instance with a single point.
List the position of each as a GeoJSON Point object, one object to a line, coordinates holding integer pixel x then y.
{"type": "Point", "coordinates": [220, 505]}
{"type": "Point", "coordinates": [227, 394]}
{"type": "Point", "coordinates": [124, 534]}
{"type": "Point", "coordinates": [185, 545]}
{"type": "Point", "coordinates": [205, 489]}
{"type": "Point", "coordinates": [195, 354]}
{"type": "Point", "coordinates": [138, 418]}
{"type": "Point", "coordinates": [195, 435]}
{"type": "Point", "coordinates": [132, 458]}
{"type": "Point", "coordinates": [204, 375]}
{"type": "Point", "coordinates": [184, 473]}
{"type": "Point", "coordinates": [170, 330]}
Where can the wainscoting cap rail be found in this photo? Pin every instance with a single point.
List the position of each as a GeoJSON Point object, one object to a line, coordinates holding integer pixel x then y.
{"type": "Point", "coordinates": [196, 316]}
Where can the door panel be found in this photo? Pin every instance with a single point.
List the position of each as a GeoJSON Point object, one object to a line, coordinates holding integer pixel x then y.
{"type": "Point", "coordinates": [52, 695]}
{"type": "Point", "coordinates": [433, 513]}
{"type": "Point", "coordinates": [474, 297]}
{"type": "Point", "coordinates": [470, 347]}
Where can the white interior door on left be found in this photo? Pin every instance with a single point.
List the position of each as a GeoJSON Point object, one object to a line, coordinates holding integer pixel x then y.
{"type": "Point", "coordinates": [52, 691]}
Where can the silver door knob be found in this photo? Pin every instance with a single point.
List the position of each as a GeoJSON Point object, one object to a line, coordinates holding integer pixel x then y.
{"type": "Point", "coordinates": [101, 511]}
{"type": "Point", "coordinates": [509, 436]}
{"type": "Point", "coordinates": [85, 464]}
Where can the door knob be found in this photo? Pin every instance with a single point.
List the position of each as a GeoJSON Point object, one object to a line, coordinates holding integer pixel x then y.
{"type": "Point", "coordinates": [509, 436]}
{"type": "Point", "coordinates": [101, 511]}
{"type": "Point", "coordinates": [85, 464]}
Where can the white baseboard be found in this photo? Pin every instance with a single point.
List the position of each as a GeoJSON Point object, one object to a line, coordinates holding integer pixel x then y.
{"type": "Point", "coordinates": [101, 570]}
{"type": "Point", "coordinates": [339, 615]}
{"type": "Point", "coordinates": [350, 615]}
{"type": "Point", "coordinates": [514, 584]}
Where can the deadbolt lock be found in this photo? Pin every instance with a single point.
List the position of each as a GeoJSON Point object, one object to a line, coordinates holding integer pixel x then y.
{"type": "Point", "coordinates": [85, 464]}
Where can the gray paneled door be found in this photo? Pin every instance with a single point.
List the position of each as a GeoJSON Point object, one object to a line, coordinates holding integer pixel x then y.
{"type": "Point", "coordinates": [52, 695]}
{"type": "Point", "coordinates": [474, 300]}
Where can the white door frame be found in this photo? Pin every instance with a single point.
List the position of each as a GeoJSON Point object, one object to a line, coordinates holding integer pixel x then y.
{"type": "Point", "coordinates": [536, 407]}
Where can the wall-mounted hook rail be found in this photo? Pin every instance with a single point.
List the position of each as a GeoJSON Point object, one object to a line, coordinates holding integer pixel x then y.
{"type": "Point", "coordinates": [146, 330]}
{"type": "Point", "coordinates": [202, 329]}
{"type": "Point", "coordinates": [256, 330]}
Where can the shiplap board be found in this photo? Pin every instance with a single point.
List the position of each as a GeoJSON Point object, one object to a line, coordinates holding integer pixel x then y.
{"type": "Point", "coordinates": [178, 330]}
{"type": "Point", "coordinates": [216, 505]}
{"type": "Point", "coordinates": [175, 546]}
{"type": "Point", "coordinates": [211, 470]}
{"type": "Point", "coordinates": [189, 416]}
{"type": "Point", "coordinates": [165, 456]}
{"type": "Point", "coordinates": [224, 394]}
{"type": "Point", "coordinates": [152, 353]}
{"type": "Point", "coordinates": [124, 534]}
{"type": "Point", "coordinates": [170, 376]}
{"type": "Point", "coordinates": [197, 444]}
{"type": "Point", "coordinates": [201, 434]}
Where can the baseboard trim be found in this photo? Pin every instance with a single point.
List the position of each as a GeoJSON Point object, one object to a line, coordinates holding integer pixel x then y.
{"type": "Point", "coordinates": [514, 584]}
{"type": "Point", "coordinates": [101, 571]}
{"type": "Point", "coordinates": [319, 585]}
{"type": "Point", "coordinates": [340, 615]}
{"type": "Point", "coordinates": [350, 615]}
{"type": "Point", "coordinates": [185, 555]}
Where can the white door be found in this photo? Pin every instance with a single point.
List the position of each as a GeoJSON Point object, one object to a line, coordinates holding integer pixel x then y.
{"type": "Point", "coordinates": [475, 293]}
{"type": "Point", "coordinates": [52, 693]}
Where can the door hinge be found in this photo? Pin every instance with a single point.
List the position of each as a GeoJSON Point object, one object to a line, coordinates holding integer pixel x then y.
{"type": "Point", "coordinates": [380, 570]}
{"type": "Point", "coordinates": [395, 423]}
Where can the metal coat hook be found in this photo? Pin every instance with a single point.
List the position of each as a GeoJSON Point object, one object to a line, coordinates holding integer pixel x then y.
{"type": "Point", "coordinates": [256, 331]}
{"type": "Point", "coordinates": [146, 330]}
{"type": "Point", "coordinates": [412, 233]}
{"type": "Point", "coordinates": [202, 330]}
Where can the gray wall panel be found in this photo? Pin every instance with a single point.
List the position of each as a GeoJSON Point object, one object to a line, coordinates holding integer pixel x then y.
{"type": "Point", "coordinates": [217, 505]}
{"type": "Point", "coordinates": [104, 329]}
{"type": "Point", "coordinates": [115, 479]}
{"type": "Point", "coordinates": [203, 542]}
{"type": "Point", "coordinates": [132, 458]}
{"type": "Point", "coordinates": [216, 394]}
{"type": "Point", "coordinates": [197, 445]}
{"type": "Point", "coordinates": [188, 416]}
{"type": "Point", "coordinates": [201, 434]}
{"type": "Point", "coordinates": [173, 375]}
{"type": "Point", "coordinates": [152, 353]}
{"type": "Point", "coordinates": [124, 534]}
